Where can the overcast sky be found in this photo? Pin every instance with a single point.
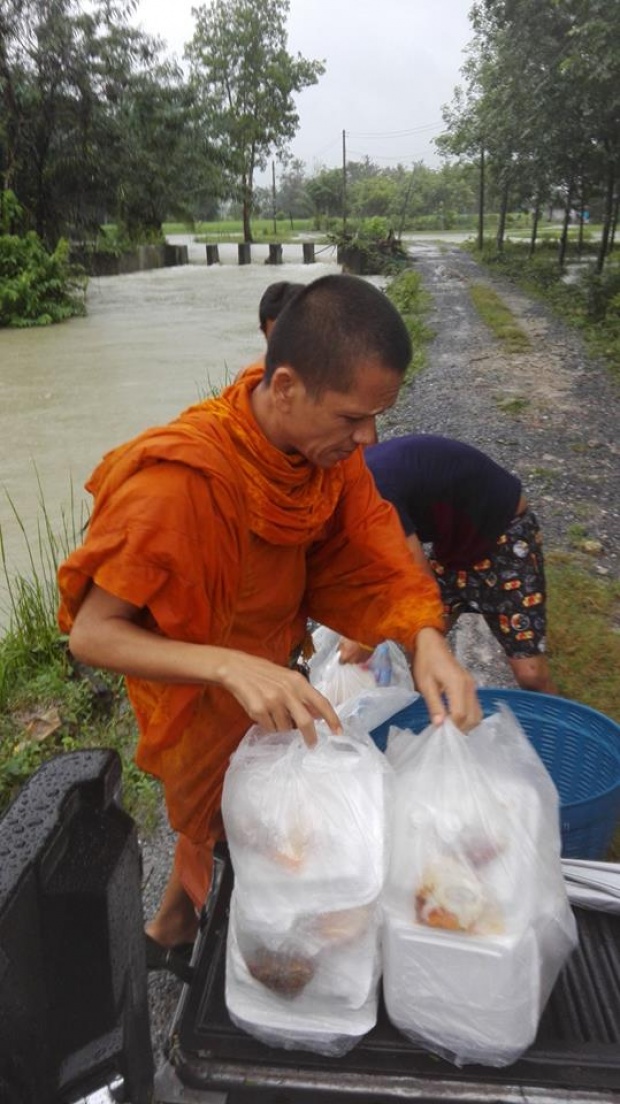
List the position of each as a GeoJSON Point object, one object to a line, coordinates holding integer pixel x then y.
{"type": "Point", "coordinates": [390, 66]}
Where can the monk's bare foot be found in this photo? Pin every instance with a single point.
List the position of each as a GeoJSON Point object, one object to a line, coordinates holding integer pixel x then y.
{"type": "Point", "coordinates": [175, 921]}
{"type": "Point", "coordinates": [171, 934]}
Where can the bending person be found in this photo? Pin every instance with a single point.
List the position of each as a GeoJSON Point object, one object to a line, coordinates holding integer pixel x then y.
{"type": "Point", "coordinates": [486, 545]}
{"type": "Point", "coordinates": [213, 538]}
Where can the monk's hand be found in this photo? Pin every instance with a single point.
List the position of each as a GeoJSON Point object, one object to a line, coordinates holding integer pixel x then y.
{"type": "Point", "coordinates": [436, 674]}
{"type": "Point", "coordinates": [352, 652]}
{"type": "Point", "coordinates": [276, 698]}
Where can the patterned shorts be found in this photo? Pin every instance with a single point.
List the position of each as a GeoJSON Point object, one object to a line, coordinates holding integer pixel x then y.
{"type": "Point", "coordinates": [507, 588]}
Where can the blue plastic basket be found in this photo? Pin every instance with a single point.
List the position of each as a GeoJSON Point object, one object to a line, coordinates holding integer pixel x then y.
{"type": "Point", "coordinates": [580, 748]}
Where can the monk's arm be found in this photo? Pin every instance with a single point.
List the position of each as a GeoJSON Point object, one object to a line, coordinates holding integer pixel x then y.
{"type": "Point", "coordinates": [351, 651]}
{"type": "Point", "coordinates": [106, 634]}
{"type": "Point", "coordinates": [418, 553]}
{"type": "Point", "coordinates": [363, 578]}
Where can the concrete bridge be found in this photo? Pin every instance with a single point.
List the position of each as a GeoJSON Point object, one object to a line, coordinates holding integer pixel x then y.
{"type": "Point", "coordinates": [260, 252]}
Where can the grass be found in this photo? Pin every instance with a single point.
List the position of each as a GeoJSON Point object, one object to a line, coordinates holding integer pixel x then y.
{"type": "Point", "coordinates": [584, 640]}
{"type": "Point", "coordinates": [57, 709]}
{"type": "Point", "coordinates": [584, 633]}
{"type": "Point", "coordinates": [546, 474]}
{"type": "Point", "coordinates": [231, 230]}
{"type": "Point", "coordinates": [411, 300]}
{"type": "Point", "coordinates": [576, 533]}
{"type": "Point", "coordinates": [588, 302]}
{"type": "Point", "coordinates": [553, 231]}
{"type": "Point", "coordinates": [48, 704]}
{"type": "Point", "coordinates": [513, 404]}
{"type": "Point", "coordinates": [499, 318]}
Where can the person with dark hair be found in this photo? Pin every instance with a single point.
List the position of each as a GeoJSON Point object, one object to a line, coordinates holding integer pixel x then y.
{"type": "Point", "coordinates": [273, 300]}
{"type": "Point", "coordinates": [214, 538]}
{"type": "Point", "coordinates": [486, 547]}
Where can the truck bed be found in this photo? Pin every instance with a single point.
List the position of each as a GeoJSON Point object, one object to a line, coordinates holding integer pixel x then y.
{"type": "Point", "coordinates": [576, 1055]}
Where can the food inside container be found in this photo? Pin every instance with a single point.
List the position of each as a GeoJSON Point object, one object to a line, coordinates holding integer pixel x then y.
{"type": "Point", "coordinates": [303, 956]}
{"type": "Point", "coordinates": [322, 1002]}
{"type": "Point", "coordinates": [451, 895]}
{"type": "Point", "coordinates": [476, 918]}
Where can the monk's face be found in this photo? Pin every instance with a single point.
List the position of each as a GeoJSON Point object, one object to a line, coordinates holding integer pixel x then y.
{"type": "Point", "coordinates": [329, 428]}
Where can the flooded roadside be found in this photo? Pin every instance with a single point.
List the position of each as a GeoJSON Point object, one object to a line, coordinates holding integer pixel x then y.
{"type": "Point", "coordinates": [151, 344]}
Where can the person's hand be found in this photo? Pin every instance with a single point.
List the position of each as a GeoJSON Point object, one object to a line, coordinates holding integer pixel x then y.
{"type": "Point", "coordinates": [352, 652]}
{"type": "Point", "coordinates": [106, 634]}
{"type": "Point", "coordinates": [275, 697]}
{"type": "Point", "coordinates": [436, 673]}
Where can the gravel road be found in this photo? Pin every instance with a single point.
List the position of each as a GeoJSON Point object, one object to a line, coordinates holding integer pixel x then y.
{"type": "Point", "coordinates": [563, 443]}
{"type": "Point", "coordinates": [561, 439]}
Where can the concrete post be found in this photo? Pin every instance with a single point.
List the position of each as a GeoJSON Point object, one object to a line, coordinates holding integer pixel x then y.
{"type": "Point", "coordinates": [244, 250]}
{"type": "Point", "coordinates": [213, 254]}
{"type": "Point", "coordinates": [308, 249]}
{"type": "Point", "coordinates": [275, 253]}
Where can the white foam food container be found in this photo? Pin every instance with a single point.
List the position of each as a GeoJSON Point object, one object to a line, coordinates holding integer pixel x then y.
{"type": "Point", "coordinates": [475, 995]}
{"type": "Point", "coordinates": [471, 999]}
{"type": "Point", "coordinates": [328, 1015]}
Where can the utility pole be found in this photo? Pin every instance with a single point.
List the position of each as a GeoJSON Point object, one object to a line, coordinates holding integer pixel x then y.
{"type": "Point", "coordinates": [344, 183]}
{"type": "Point", "coordinates": [273, 195]}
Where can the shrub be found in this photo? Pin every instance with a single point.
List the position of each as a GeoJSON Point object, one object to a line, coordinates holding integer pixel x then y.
{"type": "Point", "coordinates": [601, 291]}
{"type": "Point", "coordinates": [37, 287]}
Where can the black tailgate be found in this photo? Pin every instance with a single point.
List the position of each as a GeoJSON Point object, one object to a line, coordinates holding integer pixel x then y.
{"type": "Point", "coordinates": [577, 1050]}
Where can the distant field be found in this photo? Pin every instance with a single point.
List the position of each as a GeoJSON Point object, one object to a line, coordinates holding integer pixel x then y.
{"type": "Point", "coordinates": [232, 229]}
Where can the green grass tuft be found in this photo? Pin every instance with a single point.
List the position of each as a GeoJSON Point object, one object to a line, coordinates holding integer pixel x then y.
{"type": "Point", "coordinates": [407, 294]}
{"type": "Point", "coordinates": [499, 318]}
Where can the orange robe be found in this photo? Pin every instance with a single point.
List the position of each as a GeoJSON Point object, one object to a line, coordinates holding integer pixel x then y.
{"type": "Point", "coordinates": [222, 539]}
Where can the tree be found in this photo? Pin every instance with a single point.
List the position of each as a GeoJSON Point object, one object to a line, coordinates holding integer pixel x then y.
{"type": "Point", "coordinates": [245, 80]}
{"type": "Point", "coordinates": [57, 63]}
{"type": "Point", "coordinates": [325, 192]}
{"type": "Point", "coordinates": [292, 196]}
{"type": "Point", "coordinates": [95, 124]}
{"type": "Point", "coordinates": [162, 164]}
{"type": "Point", "coordinates": [543, 102]}
{"type": "Point", "coordinates": [592, 66]}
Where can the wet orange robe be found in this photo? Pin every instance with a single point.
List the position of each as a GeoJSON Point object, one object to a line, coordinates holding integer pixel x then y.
{"type": "Point", "coordinates": [222, 539]}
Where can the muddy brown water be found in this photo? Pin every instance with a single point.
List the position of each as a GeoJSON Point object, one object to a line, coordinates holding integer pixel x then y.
{"type": "Point", "coordinates": [151, 344]}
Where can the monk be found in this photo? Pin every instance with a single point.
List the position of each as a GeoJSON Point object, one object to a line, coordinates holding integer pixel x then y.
{"type": "Point", "coordinates": [214, 538]}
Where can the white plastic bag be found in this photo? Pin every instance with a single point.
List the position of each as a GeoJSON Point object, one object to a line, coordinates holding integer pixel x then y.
{"type": "Point", "coordinates": [477, 924]}
{"type": "Point", "coordinates": [371, 692]}
{"type": "Point", "coordinates": [307, 838]}
{"type": "Point", "coordinates": [593, 885]}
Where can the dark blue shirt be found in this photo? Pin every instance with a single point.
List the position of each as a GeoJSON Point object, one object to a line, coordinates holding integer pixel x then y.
{"type": "Point", "coordinates": [446, 492]}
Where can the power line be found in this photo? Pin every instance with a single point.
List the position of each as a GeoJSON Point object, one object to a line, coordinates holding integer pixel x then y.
{"type": "Point", "coordinates": [395, 133]}
{"type": "Point", "coordinates": [384, 156]}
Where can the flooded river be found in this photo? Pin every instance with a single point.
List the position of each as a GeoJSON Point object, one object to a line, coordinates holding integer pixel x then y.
{"type": "Point", "coordinates": [151, 344]}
